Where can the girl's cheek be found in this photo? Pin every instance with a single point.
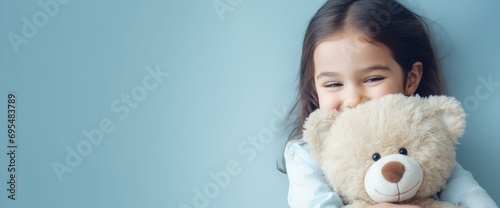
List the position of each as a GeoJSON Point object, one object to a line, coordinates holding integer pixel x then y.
{"type": "Point", "coordinates": [385, 90]}
{"type": "Point", "coordinates": [328, 103]}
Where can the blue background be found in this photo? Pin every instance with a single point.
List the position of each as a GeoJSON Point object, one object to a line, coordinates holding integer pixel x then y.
{"type": "Point", "coordinates": [230, 78]}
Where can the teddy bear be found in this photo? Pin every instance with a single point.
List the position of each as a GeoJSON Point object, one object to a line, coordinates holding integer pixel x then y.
{"type": "Point", "coordinates": [397, 149]}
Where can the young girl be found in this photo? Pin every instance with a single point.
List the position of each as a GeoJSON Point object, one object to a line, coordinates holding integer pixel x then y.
{"type": "Point", "coordinates": [354, 51]}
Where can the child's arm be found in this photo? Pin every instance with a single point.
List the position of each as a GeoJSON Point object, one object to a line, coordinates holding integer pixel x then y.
{"type": "Point", "coordinates": [307, 187]}
{"type": "Point", "coordinates": [463, 190]}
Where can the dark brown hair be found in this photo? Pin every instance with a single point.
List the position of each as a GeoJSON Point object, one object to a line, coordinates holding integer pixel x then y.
{"type": "Point", "coordinates": [384, 22]}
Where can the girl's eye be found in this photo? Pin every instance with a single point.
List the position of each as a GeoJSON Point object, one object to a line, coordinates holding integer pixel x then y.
{"type": "Point", "coordinates": [335, 84]}
{"type": "Point", "coordinates": [373, 79]}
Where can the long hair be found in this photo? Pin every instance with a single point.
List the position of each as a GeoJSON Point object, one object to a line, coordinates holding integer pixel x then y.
{"type": "Point", "coordinates": [385, 22]}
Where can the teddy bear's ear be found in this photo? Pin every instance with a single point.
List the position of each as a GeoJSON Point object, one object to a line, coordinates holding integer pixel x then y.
{"type": "Point", "coordinates": [451, 113]}
{"type": "Point", "coordinates": [316, 129]}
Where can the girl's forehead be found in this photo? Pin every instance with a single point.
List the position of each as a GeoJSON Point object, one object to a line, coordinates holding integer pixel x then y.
{"type": "Point", "coordinates": [351, 41]}
{"type": "Point", "coordinates": [351, 52]}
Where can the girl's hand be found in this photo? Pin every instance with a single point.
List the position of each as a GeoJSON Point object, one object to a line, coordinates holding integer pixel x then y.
{"type": "Point", "coordinates": [389, 205]}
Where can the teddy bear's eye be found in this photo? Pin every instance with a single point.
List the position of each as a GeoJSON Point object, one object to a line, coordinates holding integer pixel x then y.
{"type": "Point", "coordinates": [376, 156]}
{"type": "Point", "coordinates": [403, 151]}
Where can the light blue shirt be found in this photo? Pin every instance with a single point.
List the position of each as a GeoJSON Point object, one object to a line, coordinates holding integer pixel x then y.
{"type": "Point", "coordinates": [308, 188]}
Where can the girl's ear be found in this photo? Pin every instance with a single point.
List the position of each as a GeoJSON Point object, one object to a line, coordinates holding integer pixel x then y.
{"type": "Point", "coordinates": [413, 78]}
{"type": "Point", "coordinates": [317, 128]}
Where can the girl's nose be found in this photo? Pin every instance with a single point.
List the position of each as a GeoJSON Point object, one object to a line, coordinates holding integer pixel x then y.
{"type": "Point", "coordinates": [352, 98]}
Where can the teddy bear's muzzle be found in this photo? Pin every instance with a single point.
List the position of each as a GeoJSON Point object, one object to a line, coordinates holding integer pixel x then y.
{"type": "Point", "coordinates": [393, 178]}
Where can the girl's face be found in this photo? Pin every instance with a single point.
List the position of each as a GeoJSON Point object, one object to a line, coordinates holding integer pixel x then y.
{"type": "Point", "coordinates": [349, 71]}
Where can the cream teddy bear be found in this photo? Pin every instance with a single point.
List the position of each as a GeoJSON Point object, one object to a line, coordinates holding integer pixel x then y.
{"type": "Point", "coordinates": [396, 149]}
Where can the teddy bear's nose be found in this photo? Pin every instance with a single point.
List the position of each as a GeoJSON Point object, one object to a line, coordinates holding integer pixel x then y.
{"type": "Point", "coordinates": [393, 171]}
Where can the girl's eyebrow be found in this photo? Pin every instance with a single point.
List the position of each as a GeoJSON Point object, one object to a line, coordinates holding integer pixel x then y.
{"type": "Point", "coordinates": [362, 71]}
{"type": "Point", "coordinates": [374, 67]}
{"type": "Point", "coordinates": [327, 74]}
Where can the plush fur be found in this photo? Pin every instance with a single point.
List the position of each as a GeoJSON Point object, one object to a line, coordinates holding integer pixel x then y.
{"type": "Point", "coordinates": [344, 143]}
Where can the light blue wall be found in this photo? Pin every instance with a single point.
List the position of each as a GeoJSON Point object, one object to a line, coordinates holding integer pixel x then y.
{"type": "Point", "coordinates": [470, 55]}
{"type": "Point", "coordinates": [213, 110]}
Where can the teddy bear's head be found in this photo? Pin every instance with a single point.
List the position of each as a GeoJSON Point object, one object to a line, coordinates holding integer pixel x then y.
{"type": "Point", "coordinates": [391, 149]}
